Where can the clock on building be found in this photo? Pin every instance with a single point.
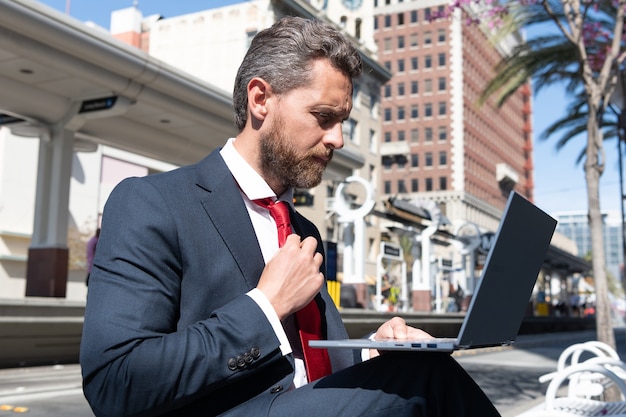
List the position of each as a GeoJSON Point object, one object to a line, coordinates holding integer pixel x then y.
{"type": "Point", "coordinates": [352, 4]}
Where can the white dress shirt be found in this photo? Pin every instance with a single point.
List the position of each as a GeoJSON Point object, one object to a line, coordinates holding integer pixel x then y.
{"type": "Point", "coordinates": [253, 187]}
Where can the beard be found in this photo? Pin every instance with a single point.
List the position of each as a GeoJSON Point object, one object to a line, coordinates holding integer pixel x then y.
{"type": "Point", "coordinates": [280, 161]}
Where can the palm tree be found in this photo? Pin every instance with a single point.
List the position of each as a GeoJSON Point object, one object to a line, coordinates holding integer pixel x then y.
{"type": "Point", "coordinates": [584, 49]}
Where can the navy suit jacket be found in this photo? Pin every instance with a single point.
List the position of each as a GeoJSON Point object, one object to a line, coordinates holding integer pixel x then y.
{"type": "Point", "coordinates": [167, 312]}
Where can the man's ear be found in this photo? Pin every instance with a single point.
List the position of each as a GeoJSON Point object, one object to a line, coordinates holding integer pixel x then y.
{"type": "Point", "coordinates": [259, 91]}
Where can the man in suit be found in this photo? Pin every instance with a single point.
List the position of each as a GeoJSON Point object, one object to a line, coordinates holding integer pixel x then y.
{"type": "Point", "coordinates": [191, 302]}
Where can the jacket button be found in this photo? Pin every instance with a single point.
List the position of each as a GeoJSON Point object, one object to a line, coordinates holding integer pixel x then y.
{"type": "Point", "coordinates": [241, 363]}
{"type": "Point", "coordinates": [247, 357]}
{"type": "Point", "coordinates": [276, 389]}
{"type": "Point", "coordinates": [255, 352]}
{"type": "Point", "coordinates": [232, 364]}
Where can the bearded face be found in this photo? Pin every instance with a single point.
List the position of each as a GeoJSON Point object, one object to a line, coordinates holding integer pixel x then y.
{"type": "Point", "coordinates": [281, 161]}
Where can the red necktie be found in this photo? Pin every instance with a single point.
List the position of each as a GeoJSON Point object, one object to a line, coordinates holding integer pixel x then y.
{"type": "Point", "coordinates": [308, 319]}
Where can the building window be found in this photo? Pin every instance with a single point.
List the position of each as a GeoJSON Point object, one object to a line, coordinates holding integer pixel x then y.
{"type": "Point", "coordinates": [388, 65]}
{"type": "Point", "coordinates": [387, 163]}
{"type": "Point", "coordinates": [400, 19]}
{"type": "Point", "coordinates": [443, 133]}
{"type": "Point", "coordinates": [414, 185]}
{"type": "Point", "coordinates": [443, 158]}
{"type": "Point", "coordinates": [415, 135]}
{"type": "Point", "coordinates": [443, 183]}
{"type": "Point", "coordinates": [428, 85]}
{"type": "Point", "coordinates": [400, 89]}
{"type": "Point", "coordinates": [348, 128]}
{"type": "Point", "coordinates": [400, 112]}
{"type": "Point", "coordinates": [442, 59]}
{"type": "Point", "coordinates": [387, 187]}
{"type": "Point", "coordinates": [375, 23]}
{"type": "Point", "coordinates": [414, 64]}
{"type": "Point", "coordinates": [356, 90]}
{"type": "Point", "coordinates": [441, 35]}
{"type": "Point", "coordinates": [427, 13]}
{"type": "Point", "coordinates": [443, 108]}
{"type": "Point", "coordinates": [400, 42]}
{"type": "Point", "coordinates": [429, 184]}
{"type": "Point", "coordinates": [414, 87]}
{"type": "Point", "coordinates": [401, 65]}
{"type": "Point", "coordinates": [428, 110]}
{"type": "Point", "coordinates": [374, 101]}
{"type": "Point", "coordinates": [388, 21]}
{"type": "Point", "coordinates": [401, 136]}
{"type": "Point", "coordinates": [413, 16]}
{"type": "Point", "coordinates": [442, 83]}
{"type": "Point", "coordinates": [428, 38]}
{"type": "Point", "coordinates": [387, 115]}
{"type": "Point", "coordinates": [428, 61]}
{"type": "Point", "coordinates": [428, 134]}
{"type": "Point", "coordinates": [387, 136]}
{"type": "Point", "coordinates": [428, 159]}
{"type": "Point", "coordinates": [401, 186]}
{"type": "Point", "coordinates": [413, 40]}
{"type": "Point", "coordinates": [387, 44]}
{"type": "Point", "coordinates": [387, 90]}
{"type": "Point", "coordinates": [415, 160]}
{"type": "Point", "coordinates": [414, 111]}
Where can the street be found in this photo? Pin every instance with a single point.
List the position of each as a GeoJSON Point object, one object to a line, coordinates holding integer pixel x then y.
{"type": "Point", "coordinates": [507, 375]}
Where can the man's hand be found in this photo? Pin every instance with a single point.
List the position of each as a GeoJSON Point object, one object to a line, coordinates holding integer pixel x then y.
{"type": "Point", "coordinates": [396, 328]}
{"type": "Point", "coordinates": [292, 277]}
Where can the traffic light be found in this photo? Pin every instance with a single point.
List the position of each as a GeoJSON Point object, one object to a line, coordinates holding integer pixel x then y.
{"type": "Point", "coordinates": [302, 198]}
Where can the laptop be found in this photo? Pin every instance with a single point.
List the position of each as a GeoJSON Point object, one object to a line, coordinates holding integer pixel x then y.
{"type": "Point", "coordinates": [502, 294]}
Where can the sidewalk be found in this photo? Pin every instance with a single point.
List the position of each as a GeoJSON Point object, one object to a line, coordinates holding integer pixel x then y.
{"type": "Point", "coordinates": [508, 375]}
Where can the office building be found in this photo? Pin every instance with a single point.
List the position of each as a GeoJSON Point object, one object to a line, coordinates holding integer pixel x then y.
{"type": "Point", "coordinates": [575, 225]}
{"type": "Point", "coordinates": [439, 143]}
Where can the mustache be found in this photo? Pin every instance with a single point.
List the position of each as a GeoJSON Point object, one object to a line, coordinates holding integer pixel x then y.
{"type": "Point", "coordinates": [327, 154]}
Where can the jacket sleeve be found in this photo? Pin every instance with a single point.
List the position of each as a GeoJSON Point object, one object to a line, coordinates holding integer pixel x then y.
{"type": "Point", "coordinates": [135, 355]}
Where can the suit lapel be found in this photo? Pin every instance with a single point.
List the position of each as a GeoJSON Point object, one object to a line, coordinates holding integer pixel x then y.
{"type": "Point", "coordinates": [224, 205]}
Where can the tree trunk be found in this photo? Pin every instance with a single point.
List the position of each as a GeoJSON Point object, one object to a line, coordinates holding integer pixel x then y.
{"type": "Point", "coordinates": [593, 171]}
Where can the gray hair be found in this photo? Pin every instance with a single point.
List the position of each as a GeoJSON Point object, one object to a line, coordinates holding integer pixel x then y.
{"type": "Point", "coordinates": [282, 56]}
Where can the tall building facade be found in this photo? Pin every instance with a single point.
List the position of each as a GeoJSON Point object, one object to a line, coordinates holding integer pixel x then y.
{"type": "Point", "coordinates": [575, 225]}
{"type": "Point", "coordinates": [439, 142]}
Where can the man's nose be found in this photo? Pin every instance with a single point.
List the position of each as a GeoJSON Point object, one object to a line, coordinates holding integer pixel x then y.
{"type": "Point", "coordinates": [334, 137]}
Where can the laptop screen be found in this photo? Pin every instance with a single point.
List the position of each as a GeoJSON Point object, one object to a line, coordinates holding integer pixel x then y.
{"type": "Point", "coordinates": [503, 293]}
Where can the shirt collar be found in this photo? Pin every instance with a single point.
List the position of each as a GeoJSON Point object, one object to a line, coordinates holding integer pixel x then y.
{"type": "Point", "coordinates": [250, 182]}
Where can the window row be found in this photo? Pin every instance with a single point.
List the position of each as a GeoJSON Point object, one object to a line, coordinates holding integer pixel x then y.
{"type": "Point", "coordinates": [414, 161]}
{"type": "Point", "coordinates": [414, 183]}
{"type": "Point", "coordinates": [412, 40]}
{"type": "Point", "coordinates": [401, 111]}
{"type": "Point", "coordinates": [413, 16]}
{"type": "Point", "coordinates": [429, 134]}
{"type": "Point", "coordinates": [414, 62]}
{"type": "Point", "coordinates": [414, 87]}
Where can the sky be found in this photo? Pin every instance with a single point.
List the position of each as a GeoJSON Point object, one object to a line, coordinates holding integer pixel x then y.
{"type": "Point", "coordinates": [559, 181]}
